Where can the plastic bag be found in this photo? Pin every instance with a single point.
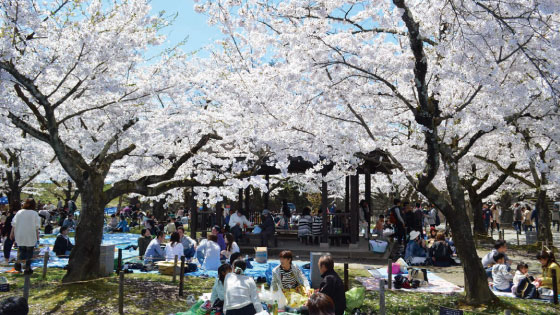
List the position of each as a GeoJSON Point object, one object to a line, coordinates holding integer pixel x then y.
{"type": "Point", "coordinates": [355, 298]}
{"type": "Point", "coordinates": [257, 230]}
{"type": "Point", "coordinates": [295, 299]}
{"type": "Point", "coordinates": [403, 264]}
{"type": "Point", "coordinates": [280, 298]}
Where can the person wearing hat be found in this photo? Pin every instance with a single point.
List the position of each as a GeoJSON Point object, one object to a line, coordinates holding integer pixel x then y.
{"type": "Point", "coordinates": [416, 246]}
{"type": "Point", "coordinates": [267, 228]}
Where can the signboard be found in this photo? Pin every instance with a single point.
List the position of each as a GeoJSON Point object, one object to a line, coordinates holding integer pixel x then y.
{"type": "Point", "coordinates": [449, 311]}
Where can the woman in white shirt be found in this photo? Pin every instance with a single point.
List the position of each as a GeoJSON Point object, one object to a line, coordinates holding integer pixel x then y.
{"type": "Point", "coordinates": [231, 246]}
{"type": "Point", "coordinates": [174, 247]}
{"type": "Point", "coordinates": [241, 296]}
{"type": "Point", "coordinates": [211, 251]}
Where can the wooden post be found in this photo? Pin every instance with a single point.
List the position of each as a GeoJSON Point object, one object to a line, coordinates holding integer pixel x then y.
{"type": "Point", "coordinates": [389, 274]}
{"type": "Point", "coordinates": [26, 286]}
{"type": "Point", "coordinates": [182, 276]}
{"type": "Point", "coordinates": [354, 208]}
{"type": "Point", "coordinates": [345, 276]}
{"type": "Point", "coordinates": [324, 207]}
{"type": "Point", "coordinates": [554, 286]}
{"type": "Point", "coordinates": [381, 297]}
{"type": "Point", "coordinates": [240, 205]}
{"type": "Point", "coordinates": [121, 292]}
{"type": "Point", "coordinates": [367, 183]}
{"type": "Point", "coordinates": [119, 260]}
{"type": "Point", "coordinates": [267, 193]}
{"type": "Point", "coordinates": [175, 269]}
{"type": "Point", "coordinates": [517, 237]}
{"type": "Point", "coordinates": [45, 263]}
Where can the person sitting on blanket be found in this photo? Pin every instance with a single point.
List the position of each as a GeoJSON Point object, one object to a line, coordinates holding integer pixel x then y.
{"type": "Point", "coordinates": [415, 249]}
{"type": "Point", "coordinates": [123, 225]}
{"type": "Point", "coordinates": [488, 260]}
{"type": "Point", "coordinates": [287, 275]}
{"type": "Point", "coordinates": [113, 223]}
{"type": "Point", "coordinates": [544, 283]}
{"type": "Point", "coordinates": [208, 253]}
{"type": "Point", "coordinates": [240, 297]}
{"type": "Point", "coordinates": [62, 245]}
{"type": "Point", "coordinates": [217, 297]}
{"type": "Point", "coordinates": [154, 251]}
{"type": "Point", "coordinates": [521, 273]}
{"type": "Point", "coordinates": [144, 241]}
{"type": "Point", "coordinates": [189, 245]}
{"type": "Point", "coordinates": [500, 274]}
{"type": "Point", "coordinates": [332, 285]}
{"type": "Point", "coordinates": [441, 252]}
{"type": "Point", "coordinates": [231, 246]}
{"type": "Point", "coordinates": [174, 247]}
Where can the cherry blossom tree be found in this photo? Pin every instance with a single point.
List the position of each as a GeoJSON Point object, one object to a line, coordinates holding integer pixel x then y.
{"type": "Point", "coordinates": [426, 81]}
{"type": "Point", "coordinates": [75, 77]}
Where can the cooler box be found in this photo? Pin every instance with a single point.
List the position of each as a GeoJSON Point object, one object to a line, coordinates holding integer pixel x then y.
{"type": "Point", "coordinates": [261, 255]}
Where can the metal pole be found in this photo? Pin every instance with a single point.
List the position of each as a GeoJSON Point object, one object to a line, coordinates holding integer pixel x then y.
{"type": "Point", "coordinates": [121, 292]}
{"type": "Point", "coordinates": [26, 286]}
{"type": "Point", "coordinates": [182, 276]}
{"type": "Point", "coordinates": [389, 274]}
{"type": "Point", "coordinates": [45, 263]}
{"type": "Point", "coordinates": [381, 297]}
{"type": "Point", "coordinates": [175, 269]}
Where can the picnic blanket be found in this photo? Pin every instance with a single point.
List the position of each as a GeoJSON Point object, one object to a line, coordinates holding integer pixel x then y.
{"type": "Point", "coordinates": [435, 283]}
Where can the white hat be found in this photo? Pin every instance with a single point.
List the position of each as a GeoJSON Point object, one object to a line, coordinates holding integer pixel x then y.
{"type": "Point", "coordinates": [414, 235]}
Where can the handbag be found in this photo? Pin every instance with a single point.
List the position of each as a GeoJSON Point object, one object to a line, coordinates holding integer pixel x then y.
{"type": "Point", "coordinates": [378, 246]}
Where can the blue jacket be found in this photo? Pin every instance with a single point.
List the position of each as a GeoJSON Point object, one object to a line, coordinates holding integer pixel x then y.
{"type": "Point", "coordinates": [413, 249]}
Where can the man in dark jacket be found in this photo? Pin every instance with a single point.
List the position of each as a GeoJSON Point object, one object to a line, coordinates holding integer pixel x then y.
{"type": "Point", "coordinates": [62, 245]}
{"type": "Point", "coordinates": [144, 241]}
{"type": "Point", "coordinates": [332, 285]}
{"type": "Point", "coordinates": [267, 227]}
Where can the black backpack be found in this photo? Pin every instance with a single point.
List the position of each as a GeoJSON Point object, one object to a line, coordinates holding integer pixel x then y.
{"type": "Point", "coordinates": [526, 290]}
{"type": "Point", "coordinates": [441, 251]}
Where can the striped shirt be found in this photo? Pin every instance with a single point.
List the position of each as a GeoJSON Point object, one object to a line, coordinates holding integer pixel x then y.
{"type": "Point", "coordinates": [288, 279]}
{"type": "Point", "coordinates": [317, 225]}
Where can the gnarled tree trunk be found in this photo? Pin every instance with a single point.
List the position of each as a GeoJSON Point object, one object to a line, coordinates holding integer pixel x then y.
{"type": "Point", "coordinates": [89, 232]}
{"type": "Point", "coordinates": [14, 198]}
{"type": "Point", "coordinates": [478, 223]}
{"type": "Point", "coordinates": [544, 232]}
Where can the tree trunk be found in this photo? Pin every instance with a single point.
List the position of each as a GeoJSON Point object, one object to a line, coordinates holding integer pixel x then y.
{"type": "Point", "coordinates": [14, 198]}
{"type": "Point", "coordinates": [476, 282]}
{"type": "Point", "coordinates": [544, 233]}
{"type": "Point", "coordinates": [476, 205]}
{"type": "Point", "coordinates": [158, 210]}
{"type": "Point", "coordinates": [84, 258]}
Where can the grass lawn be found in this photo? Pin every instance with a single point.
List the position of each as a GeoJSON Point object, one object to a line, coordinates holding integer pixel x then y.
{"type": "Point", "coordinates": [156, 294]}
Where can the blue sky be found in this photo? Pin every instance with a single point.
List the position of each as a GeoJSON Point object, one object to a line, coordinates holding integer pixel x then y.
{"type": "Point", "coordinates": [188, 23]}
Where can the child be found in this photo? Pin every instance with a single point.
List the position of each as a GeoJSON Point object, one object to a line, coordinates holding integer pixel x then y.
{"type": "Point", "coordinates": [379, 225]}
{"type": "Point", "coordinates": [502, 278]}
{"type": "Point", "coordinates": [521, 273]}
{"type": "Point", "coordinates": [217, 297]}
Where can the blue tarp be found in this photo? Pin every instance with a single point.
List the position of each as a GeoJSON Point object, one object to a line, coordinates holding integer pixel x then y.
{"type": "Point", "coordinates": [3, 200]}
{"type": "Point", "coordinates": [111, 210]}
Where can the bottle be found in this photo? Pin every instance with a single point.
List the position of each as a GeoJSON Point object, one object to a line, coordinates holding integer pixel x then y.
{"type": "Point", "coordinates": [275, 308]}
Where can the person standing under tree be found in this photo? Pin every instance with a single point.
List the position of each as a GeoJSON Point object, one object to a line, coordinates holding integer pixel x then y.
{"type": "Point", "coordinates": [25, 232]}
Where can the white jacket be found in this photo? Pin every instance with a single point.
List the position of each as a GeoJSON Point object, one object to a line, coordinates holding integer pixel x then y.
{"type": "Point", "coordinates": [502, 278]}
{"type": "Point", "coordinates": [240, 291]}
{"type": "Point", "coordinates": [518, 277]}
{"type": "Point", "coordinates": [234, 219]}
